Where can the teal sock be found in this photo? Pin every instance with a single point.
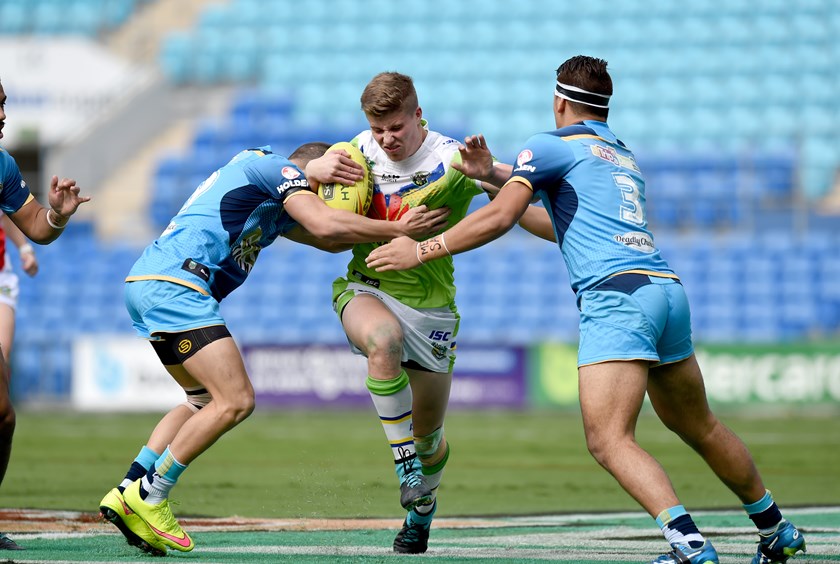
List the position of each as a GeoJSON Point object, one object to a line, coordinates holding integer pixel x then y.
{"type": "Point", "coordinates": [161, 478]}
{"type": "Point", "coordinates": [764, 513]}
{"type": "Point", "coordinates": [678, 527]}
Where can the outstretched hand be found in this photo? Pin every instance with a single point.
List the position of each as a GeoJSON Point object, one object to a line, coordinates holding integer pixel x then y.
{"type": "Point", "coordinates": [421, 222]}
{"type": "Point", "coordinates": [476, 158]}
{"type": "Point", "coordinates": [64, 196]}
{"type": "Point", "coordinates": [334, 166]}
{"type": "Point", "coordinates": [399, 254]}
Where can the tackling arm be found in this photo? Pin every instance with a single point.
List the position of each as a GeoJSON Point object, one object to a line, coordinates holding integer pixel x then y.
{"type": "Point", "coordinates": [300, 235]}
{"type": "Point", "coordinates": [340, 226]}
{"type": "Point", "coordinates": [478, 228]}
{"type": "Point", "coordinates": [477, 163]}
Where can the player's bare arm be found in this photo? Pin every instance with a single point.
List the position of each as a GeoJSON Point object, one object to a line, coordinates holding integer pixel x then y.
{"type": "Point", "coordinates": [478, 228]}
{"type": "Point", "coordinates": [536, 221]}
{"type": "Point", "coordinates": [300, 235]}
{"type": "Point", "coordinates": [44, 224]}
{"type": "Point", "coordinates": [334, 166]}
{"type": "Point", "coordinates": [477, 163]}
{"type": "Point", "coordinates": [342, 226]}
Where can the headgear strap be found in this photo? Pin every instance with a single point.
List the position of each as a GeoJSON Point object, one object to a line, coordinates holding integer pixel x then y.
{"type": "Point", "coordinates": [581, 96]}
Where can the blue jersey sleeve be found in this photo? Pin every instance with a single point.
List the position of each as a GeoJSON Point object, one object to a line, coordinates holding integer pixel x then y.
{"type": "Point", "coordinates": [543, 162]}
{"type": "Point", "coordinates": [13, 190]}
{"type": "Point", "coordinates": [277, 176]}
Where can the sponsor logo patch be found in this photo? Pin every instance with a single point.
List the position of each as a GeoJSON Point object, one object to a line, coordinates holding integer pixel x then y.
{"type": "Point", "coordinates": [606, 153]}
{"type": "Point", "coordinates": [524, 156]}
{"type": "Point", "coordinates": [185, 346]}
{"type": "Point", "coordinates": [366, 280]}
{"type": "Point", "coordinates": [297, 182]}
{"type": "Point", "coordinates": [611, 155]}
{"type": "Point", "coordinates": [440, 335]}
{"type": "Point", "coordinates": [636, 240]}
{"type": "Point", "coordinates": [196, 268]}
{"type": "Point", "coordinates": [290, 172]}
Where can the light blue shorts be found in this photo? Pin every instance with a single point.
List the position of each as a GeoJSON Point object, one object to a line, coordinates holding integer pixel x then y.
{"type": "Point", "coordinates": [635, 316]}
{"type": "Point", "coordinates": [156, 306]}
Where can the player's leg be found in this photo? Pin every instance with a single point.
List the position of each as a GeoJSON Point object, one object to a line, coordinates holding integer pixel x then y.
{"type": "Point", "coordinates": [429, 337]}
{"type": "Point", "coordinates": [7, 410]}
{"type": "Point", "coordinates": [620, 327]}
{"type": "Point", "coordinates": [611, 395]}
{"type": "Point", "coordinates": [7, 430]}
{"type": "Point", "coordinates": [217, 365]}
{"type": "Point", "coordinates": [678, 395]}
{"type": "Point", "coordinates": [113, 507]}
{"type": "Point", "coordinates": [431, 397]}
{"type": "Point", "coordinates": [375, 331]}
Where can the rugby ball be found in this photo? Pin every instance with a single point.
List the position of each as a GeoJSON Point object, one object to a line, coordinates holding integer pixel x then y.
{"type": "Point", "coordinates": [355, 198]}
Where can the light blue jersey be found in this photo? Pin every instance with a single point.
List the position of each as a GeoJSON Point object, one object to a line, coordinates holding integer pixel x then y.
{"type": "Point", "coordinates": [211, 245]}
{"type": "Point", "coordinates": [595, 194]}
{"type": "Point", "coordinates": [13, 190]}
{"type": "Point", "coordinates": [632, 305]}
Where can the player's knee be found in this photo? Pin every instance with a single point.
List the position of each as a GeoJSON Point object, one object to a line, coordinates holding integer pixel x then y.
{"type": "Point", "coordinates": [234, 410]}
{"type": "Point", "coordinates": [600, 447]}
{"type": "Point", "coordinates": [385, 342]}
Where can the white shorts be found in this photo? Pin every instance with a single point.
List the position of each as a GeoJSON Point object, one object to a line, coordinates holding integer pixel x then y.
{"type": "Point", "coordinates": [428, 334]}
{"type": "Point", "coordinates": [9, 288]}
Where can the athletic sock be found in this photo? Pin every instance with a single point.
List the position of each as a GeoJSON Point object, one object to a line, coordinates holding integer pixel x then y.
{"type": "Point", "coordinates": [422, 514]}
{"type": "Point", "coordinates": [424, 509]}
{"type": "Point", "coordinates": [144, 460]}
{"type": "Point", "coordinates": [434, 474]}
{"type": "Point", "coordinates": [392, 400]}
{"type": "Point", "coordinates": [678, 527]}
{"type": "Point", "coordinates": [161, 478]}
{"type": "Point", "coordinates": [765, 514]}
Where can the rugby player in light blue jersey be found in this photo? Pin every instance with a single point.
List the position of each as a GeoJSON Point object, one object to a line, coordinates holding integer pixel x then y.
{"type": "Point", "coordinates": [173, 292]}
{"type": "Point", "coordinates": [43, 225]}
{"type": "Point", "coordinates": [635, 329]}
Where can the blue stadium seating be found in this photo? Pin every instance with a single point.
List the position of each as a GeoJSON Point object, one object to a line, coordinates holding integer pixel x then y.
{"type": "Point", "coordinates": [64, 17]}
{"type": "Point", "coordinates": [706, 76]}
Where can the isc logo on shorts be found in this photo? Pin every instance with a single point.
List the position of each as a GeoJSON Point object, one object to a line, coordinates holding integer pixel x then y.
{"type": "Point", "coordinates": [440, 335]}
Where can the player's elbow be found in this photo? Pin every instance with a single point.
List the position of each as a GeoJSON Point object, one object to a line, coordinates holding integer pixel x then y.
{"type": "Point", "coordinates": [501, 221]}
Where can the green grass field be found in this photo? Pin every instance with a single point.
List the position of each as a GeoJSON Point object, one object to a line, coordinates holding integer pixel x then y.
{"type": "Point", "coordinates": [337, 464]}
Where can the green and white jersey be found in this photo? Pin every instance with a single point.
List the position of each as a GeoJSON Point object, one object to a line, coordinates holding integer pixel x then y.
{"type": "Point", "coordinates": [426, 177]}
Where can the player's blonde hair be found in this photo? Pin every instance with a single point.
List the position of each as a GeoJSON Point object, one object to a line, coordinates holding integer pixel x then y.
{"type": "Point", "coordinates": [389, 92]}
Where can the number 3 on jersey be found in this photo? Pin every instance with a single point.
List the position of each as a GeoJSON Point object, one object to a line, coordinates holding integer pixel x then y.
{"type": "Point", "coordinates": [631, 207]}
